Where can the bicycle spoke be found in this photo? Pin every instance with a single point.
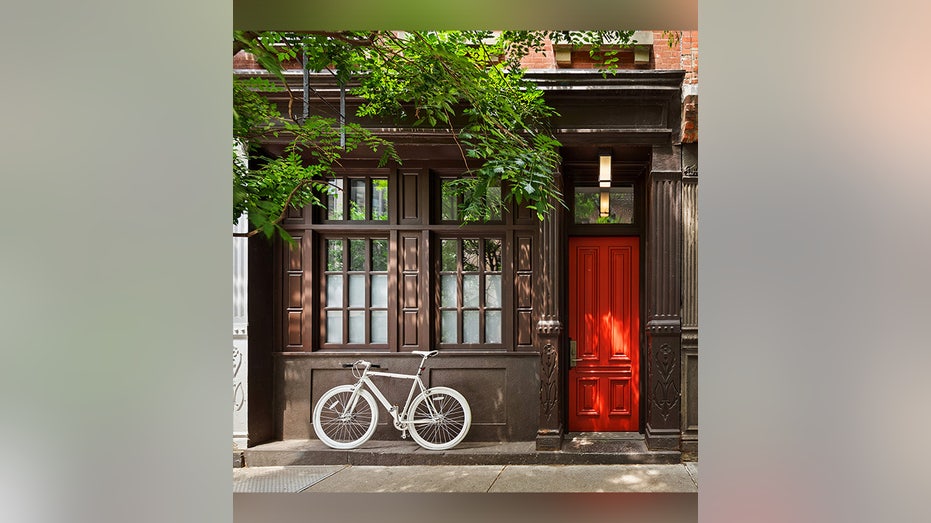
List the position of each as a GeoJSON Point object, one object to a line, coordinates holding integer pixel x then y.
{"type": "Point", "coordinates": [342, 426]}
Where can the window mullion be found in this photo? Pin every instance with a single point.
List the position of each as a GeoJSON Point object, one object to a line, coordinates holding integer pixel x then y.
{"type": "Point", "coordinates": [367, 303]}
{"type": "Point", "coordinates": [345, 304]}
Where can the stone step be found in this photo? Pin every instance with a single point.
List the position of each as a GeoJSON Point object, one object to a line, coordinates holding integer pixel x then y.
{"type": "Point", "coordinates": [576, 450]}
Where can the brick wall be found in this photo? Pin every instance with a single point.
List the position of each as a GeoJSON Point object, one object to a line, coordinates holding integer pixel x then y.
{"type": "Point", "coordinates": [682, 56]}
{"type": "Point", "coordinates": [544, 60]}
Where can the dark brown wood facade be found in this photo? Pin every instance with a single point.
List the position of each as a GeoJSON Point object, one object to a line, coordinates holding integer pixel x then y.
{"type": "Point", "coordinates": [512, 367]}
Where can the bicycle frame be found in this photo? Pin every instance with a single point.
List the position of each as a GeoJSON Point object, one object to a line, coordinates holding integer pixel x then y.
{"type": "Point", "coordinates": [400, 418]}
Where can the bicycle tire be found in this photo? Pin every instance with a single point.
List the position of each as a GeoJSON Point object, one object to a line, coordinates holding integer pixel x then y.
{"type": "Point", "coordinates": [339, 429]}
{"type": "Point", "coordinates": [444, 425]}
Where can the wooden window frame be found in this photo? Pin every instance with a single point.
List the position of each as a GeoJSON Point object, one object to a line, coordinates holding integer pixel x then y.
{"type": "Point", "coordinates": [482, 308]}
{"type": "Point", "coordinates": [368, 176]}
{"type": "Point", "coordinates": [346, 271]}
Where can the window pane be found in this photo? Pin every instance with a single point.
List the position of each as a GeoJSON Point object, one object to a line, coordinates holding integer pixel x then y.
{"type": "Point", "coordinates": [356, 327]}
{"type": "Point", "coordinates": [356, 199]}
{"type": "Point", "coordinates": [493, 290]}
{"type": "Point", "coordinates": [448, 324]}
{"type": "Point", "coordinates": [379, 255]}
{"type": "Point", "coordinates": [379, 326]}
{"type": "Point", "coordinates": [335, 200]}
{"type": "Point", "coordinates": [334, 290]}
{"type": "Point", "coordinates": [448, 255]}
{"type": "Point", "coordinates": [356, 290]}
{"type": "Point", "coordinates": [494, 203]}
{"type": "Point", "coordinates": [379, 199]}
{"type": "Point", "coordinates": [334, 257]}
{"type": "Point", "coordinates": [379, 290]}
{"type": "Point", "coordinates": [622, 204]}
{"type": "Point", "coordinates": [492, 326]}
{"type": "Point", "coordinates": [469, 326]}
{"type": "Point", "coordinates": [334, 326]}
{"type": "Point", "coordinates": [493, 255]}
{"type": "Point", "coordinates": [449, 209]}
{"type": "Point", "coordinates": [449, 291]}
{"type": "Point", "coordinates": [586, 204]}
{"type": "Point", "coordinates": [356, 255]}
{"type": "Point", "coordinates": [470, 290]}
{"type": "Point", "coordinates": [604, 205]}
{"type": "Point", "coordinates": [470, 255]}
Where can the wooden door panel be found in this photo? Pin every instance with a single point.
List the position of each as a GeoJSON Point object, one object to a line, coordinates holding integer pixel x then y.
{"type": "Point", "coordinates": [604, 322]}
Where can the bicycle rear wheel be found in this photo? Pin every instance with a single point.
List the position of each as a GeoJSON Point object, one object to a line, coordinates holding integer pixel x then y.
{"type": "Point", "coordinates": [339, 428]}
{"type": "Point", "coordinates": [439, 418]}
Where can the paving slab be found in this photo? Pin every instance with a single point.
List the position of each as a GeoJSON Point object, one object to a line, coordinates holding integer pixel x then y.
{"type": "Point", "coordinates": [472, 478]}
{"type": "Point", "coordinates": [280, 479]}
{"type": "Point", "coordinates": [594, 478]}
{"type": "Point", "coordinates": [692, 468]}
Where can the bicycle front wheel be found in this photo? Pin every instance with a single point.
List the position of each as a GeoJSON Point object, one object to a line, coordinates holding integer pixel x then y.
{"type": "Point", "coordinates": [337, 426]}
{"type": "Point", "coordinates": [439, 418]}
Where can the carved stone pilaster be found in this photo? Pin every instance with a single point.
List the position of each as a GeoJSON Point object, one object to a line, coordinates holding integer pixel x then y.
{"type": "Point", "coordinates": [664, 299]}
{"type": "Point", "coordinates": [689, 362]}
{"type": "Point", "coordinates": [549, 432]}
{"type": "Point", "coordinates": [550, 333]}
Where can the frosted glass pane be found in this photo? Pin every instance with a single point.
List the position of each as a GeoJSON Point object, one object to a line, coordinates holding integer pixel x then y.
{"type": "Point", "coordinates": [334, 326]}
{"type": "Point", "coordinates": [470, 290]}
{"type": "Point", "coordinates": [449, 291]}
{"type": "Point", "coordinates": [356, 290]}
{"type": "Point", "coordinates": [469, 326]}
{"type": "Point", "coordinates": [379, 255]}
{"type": "Point", "coordinates": [448, 326]}
{"type": "Point", "coordinates": [493, 327]}
{"type": "Point", "coordinates": [335, 200]}
{"type": "Point", "coordinates": [356, 327]}
{"type": "Point", "coordinates": [334, 256]}
{"type": "Point", "coordinates": [379, 326]}
{"type": "Point", "coordinates": [380, 200]}
{"type": "Point", "coordinates": [357, 199]}
{"type": "Point", "coordinates": [379, 290]}
{"type": "Point", "coordinates": [493, 290]}
{"type": "Point", "coordinates": [334, 290]}
{"type": "Point", "coordinates": [448, 255]}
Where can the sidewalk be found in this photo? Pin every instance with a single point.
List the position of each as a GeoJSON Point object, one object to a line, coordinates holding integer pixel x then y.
{"type": "Point", "coordinates": [468, 478]}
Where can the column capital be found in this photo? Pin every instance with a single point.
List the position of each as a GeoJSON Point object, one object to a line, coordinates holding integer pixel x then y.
{"type": "Point", "coordinates": [549, 327]}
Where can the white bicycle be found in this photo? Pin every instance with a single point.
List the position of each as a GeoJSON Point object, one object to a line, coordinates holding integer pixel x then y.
{"type": "Point", "coordinates": [438, 418]}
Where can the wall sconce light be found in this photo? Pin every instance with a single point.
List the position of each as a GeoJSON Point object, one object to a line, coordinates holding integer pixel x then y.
{"type": "Point", "coordinates": [604, 168]}
{"type": "Point", "coordinates": [604, 180]}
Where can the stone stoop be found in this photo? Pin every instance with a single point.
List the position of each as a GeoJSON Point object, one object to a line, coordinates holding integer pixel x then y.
{"type": "Point", "coordinates": [577, 449]}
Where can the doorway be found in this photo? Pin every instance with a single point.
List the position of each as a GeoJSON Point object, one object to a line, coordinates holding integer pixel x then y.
{"type": "Point", "coordinates": [604, 334]}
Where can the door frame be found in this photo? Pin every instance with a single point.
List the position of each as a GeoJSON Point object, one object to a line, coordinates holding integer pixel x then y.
{"type": "Point", "coordinates": [626, 173]}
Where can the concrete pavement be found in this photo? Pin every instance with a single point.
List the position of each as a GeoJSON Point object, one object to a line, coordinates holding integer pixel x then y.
{"type": "Point", "coordinates": [469, 478]}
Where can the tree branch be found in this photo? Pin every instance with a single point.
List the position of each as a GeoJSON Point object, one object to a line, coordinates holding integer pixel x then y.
{"type": "Point", "coordinates": [284, 209]}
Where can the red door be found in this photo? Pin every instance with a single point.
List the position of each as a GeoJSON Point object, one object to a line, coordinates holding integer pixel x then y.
{"type": "Point", "coordinates": [604, 326]}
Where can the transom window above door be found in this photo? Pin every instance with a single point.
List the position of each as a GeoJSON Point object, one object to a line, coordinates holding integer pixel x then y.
{"type": "Point", "coordinates": [594, 204]}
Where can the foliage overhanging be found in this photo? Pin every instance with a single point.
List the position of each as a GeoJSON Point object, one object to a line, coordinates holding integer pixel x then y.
{"type": "Point", "coordinates": [469, 83]}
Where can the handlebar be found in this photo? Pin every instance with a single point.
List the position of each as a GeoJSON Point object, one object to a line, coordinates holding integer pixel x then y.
{"type": "Point", "coordinates": [361, 362]}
